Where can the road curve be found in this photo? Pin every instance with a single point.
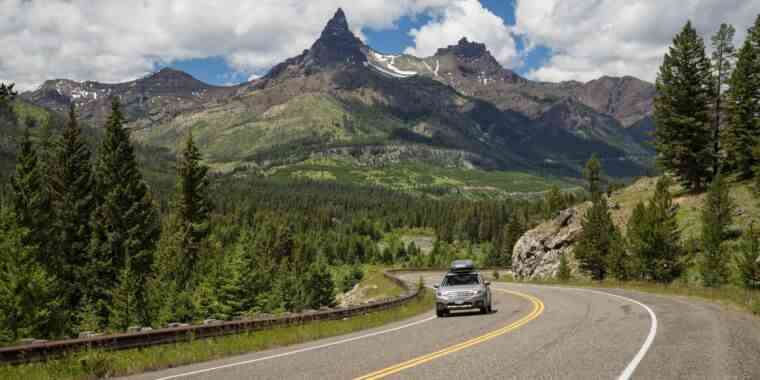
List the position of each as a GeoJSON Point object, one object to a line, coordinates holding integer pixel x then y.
{"type": "Point", "coordinates": [537, 332]}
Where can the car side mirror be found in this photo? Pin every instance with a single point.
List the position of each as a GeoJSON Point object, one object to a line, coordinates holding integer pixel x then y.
{"type": "Point", "coordinates": [488, 283]}
{"type": "Point", "coordinates": [436, 286]}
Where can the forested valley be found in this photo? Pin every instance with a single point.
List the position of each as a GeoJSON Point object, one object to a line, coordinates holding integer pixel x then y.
{"type": "Point", "coordinates": [87, 244]}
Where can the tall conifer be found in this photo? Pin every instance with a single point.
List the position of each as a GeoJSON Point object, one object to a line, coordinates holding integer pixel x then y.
{"type": "Point", "coordinates": [683, 132]}
{"type": "Point", "coordinates": [192, 207]}
{"type": "Point", "coordinates": [722, 64]}
{"type": "Point", "coordinates": [742, 132]}
{"type": "Point", "coordinates": [125, 223]}
{"type": "Point", "coordinates": [73, 203]}
{"type": "Point", "coordinates": [717, 216]}
{"type": "Point", "coordinates": [31, 201]}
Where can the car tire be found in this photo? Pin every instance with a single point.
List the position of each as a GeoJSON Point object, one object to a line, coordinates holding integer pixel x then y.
{"type": "Point", "coordinates": [441, 313]}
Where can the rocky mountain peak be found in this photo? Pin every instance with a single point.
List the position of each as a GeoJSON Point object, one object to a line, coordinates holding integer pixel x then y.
{"type": "Point", "coordinates": [338, 25]}
{"type": "Point", "coordinates": [337, 44]}
{"type": "Point", "coordinates": [465, 49]}
{"type": "Point", "coordinates": [173, 80]}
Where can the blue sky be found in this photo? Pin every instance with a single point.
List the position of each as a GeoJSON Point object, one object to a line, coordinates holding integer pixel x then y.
{"type": "Point", "coordinates": [216, 70]}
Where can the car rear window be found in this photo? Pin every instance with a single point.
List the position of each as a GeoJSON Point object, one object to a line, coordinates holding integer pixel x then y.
{"type": "Point", "coordinates": [461, 279]}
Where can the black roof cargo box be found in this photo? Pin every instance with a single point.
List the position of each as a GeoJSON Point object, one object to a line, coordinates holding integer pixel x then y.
{"type": "Point", "coordinates": [462, 266]}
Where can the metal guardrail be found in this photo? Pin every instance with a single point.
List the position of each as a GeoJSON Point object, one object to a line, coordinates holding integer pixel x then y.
{"type": "Point", "coordinates": [54, 349]}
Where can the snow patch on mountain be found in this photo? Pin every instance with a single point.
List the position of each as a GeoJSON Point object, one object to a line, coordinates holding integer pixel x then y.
{"type": "Point", "coordinates": [387, 65]}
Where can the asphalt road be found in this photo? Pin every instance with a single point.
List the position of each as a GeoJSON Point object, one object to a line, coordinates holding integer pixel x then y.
{"type": "Point", "coordinates": [536, 332]}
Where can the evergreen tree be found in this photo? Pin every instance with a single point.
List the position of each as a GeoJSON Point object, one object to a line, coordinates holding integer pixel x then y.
{"type": "Point", "coordinates": [598, 241]}
{"type": "Point", "coordinates": [717, 215]}
{"type": "Point", "coordinates": [31, 201]}
{"type": "Point", "coordinates": [599, 238]}
{"type": "Point", "coordinates": [619, 264]}
{"type": "Point", "coordinates": [7, 96]}
{"type": "Point", "coordinates": [722, 64]}
{"type": "Point", "coordinates": [681, 111]}
{"type": "Point", "coordinates": [747, 260]}
{"type": "Point", "coordinates": [319, 285]}
{"type": "Point", "coordinates": [29, 302]}
{"type": "Point", "coordinates": [73, 203]}
{"type": "Point", "coordinates": [192, 206]}
{"type": "Point", "coordinates": [125, 223]}
{"type": "Point", "coordinates": [593, 175]}
{"type": "Point", "coordinates": [563, 272]}
{"type": "Point", "coordinates": [654, 238]}
{"type": "Point", "coordinates": [127, 304]}
{"type": "Point", "coordinates": [742, 131]}
{"type": "Point", "coordinates": [512, 234]}
{"type": "Point", "coordinates": [553, 201]}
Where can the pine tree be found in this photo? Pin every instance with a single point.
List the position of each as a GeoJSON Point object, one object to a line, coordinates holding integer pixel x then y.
{"type": "Point", "coordinates": [125, 223]}
{"type": "Point", "coordinates": [593, 175]}
{"type": "Point", "coordinates": [600, 237]}
{"type": "Point", "coordinates": [742, 132]}
{"type": "Point", "coordinates": [7, 96]}
{"type": "Point", "coordinates": [722, 65]}
{"type": "Point", "coordinates": [127, 304]}
{"type": "Point", "coordinates": [553, 201]}
{"type": "Point", "coordinates": [681, 111]}
{"type": "Point", "coordinates": [717, 215]}
{"type": "Point", "coordinates": [747, 260]}
{"type": "Point", "coordinates": [619, 265]}
{"type": "Point", "coordinates": [72, 199]}
{"type": "Point", "coordinates": [29, 302]}
{"type": "Point", "coordinates": [319, 285]}
{"type": "Point", "coordinates": [31, 201]}
{"type": "Point", "coordinates": [563, 272]}
{"type": "Point", "coordinates": [192, 207]}
{"type": "Point", "coordinates": [654, 238]}
{"type": "Point", "coordinates": [512, 234]}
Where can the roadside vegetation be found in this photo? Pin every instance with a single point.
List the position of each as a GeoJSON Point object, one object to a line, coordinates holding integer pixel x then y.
{"type": "Point", "coordinates": [98, 364]}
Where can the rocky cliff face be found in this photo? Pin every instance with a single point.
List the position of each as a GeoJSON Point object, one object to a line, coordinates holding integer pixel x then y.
{"type": "Point", "coordinates": [536, 255]}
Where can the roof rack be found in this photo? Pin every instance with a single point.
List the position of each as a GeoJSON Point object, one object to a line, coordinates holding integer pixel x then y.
{"type": "Point", "coordinates": [462, 266]}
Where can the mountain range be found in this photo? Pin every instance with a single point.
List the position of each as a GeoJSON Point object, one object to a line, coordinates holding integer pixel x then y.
{"type": "Point", "coordinates": [342, 104]}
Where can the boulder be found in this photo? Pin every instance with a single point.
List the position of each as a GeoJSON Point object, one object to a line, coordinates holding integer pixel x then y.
{"type": "Point", "coordinates": [537, 253]}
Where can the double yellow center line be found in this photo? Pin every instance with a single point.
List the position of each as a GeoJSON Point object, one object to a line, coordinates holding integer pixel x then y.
{"type": "Point", "coordinates": [538, 308]}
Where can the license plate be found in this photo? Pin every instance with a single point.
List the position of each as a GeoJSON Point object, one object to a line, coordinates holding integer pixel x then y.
{"type": "Point", "coordinates": [459, 302]}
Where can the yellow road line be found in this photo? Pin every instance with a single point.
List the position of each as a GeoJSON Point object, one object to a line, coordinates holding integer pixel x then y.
{"type": "Point", "coordinates": [538, 308]}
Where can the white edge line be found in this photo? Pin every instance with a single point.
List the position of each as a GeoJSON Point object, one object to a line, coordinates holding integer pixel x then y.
{"type": "Point", "coordinates": [312, 348]}
{"type": "Point", "coordinates": [628, 371]}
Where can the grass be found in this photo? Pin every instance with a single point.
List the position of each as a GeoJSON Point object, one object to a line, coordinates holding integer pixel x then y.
{"type": "Point", "coordinates": [739, 298]}
{"type": "Point", "coordinates": [689, 205]}
{"type": "Point", "coordinates": [98, 364]}
{"type": "Point", "coordinates": [378, 286]}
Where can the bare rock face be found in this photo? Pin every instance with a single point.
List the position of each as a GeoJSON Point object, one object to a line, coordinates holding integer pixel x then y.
{"type": "Point", "coordinates": [537, 254]}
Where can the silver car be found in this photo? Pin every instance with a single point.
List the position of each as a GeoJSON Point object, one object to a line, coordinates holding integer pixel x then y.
{"type": "Point", "coordinates": [462, 288]}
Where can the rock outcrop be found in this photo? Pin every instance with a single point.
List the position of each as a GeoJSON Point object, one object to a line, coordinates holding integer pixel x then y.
{"type": "Point", "coordinates": [537, 254]}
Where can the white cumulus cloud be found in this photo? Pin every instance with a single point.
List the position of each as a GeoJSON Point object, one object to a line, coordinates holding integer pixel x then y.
{"type": "Point", "coordinates": [117, 40]}
{"type": "Point", "coordinates": [590, 38]}
{"type": "Point", "coordinates": [466, 18]}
